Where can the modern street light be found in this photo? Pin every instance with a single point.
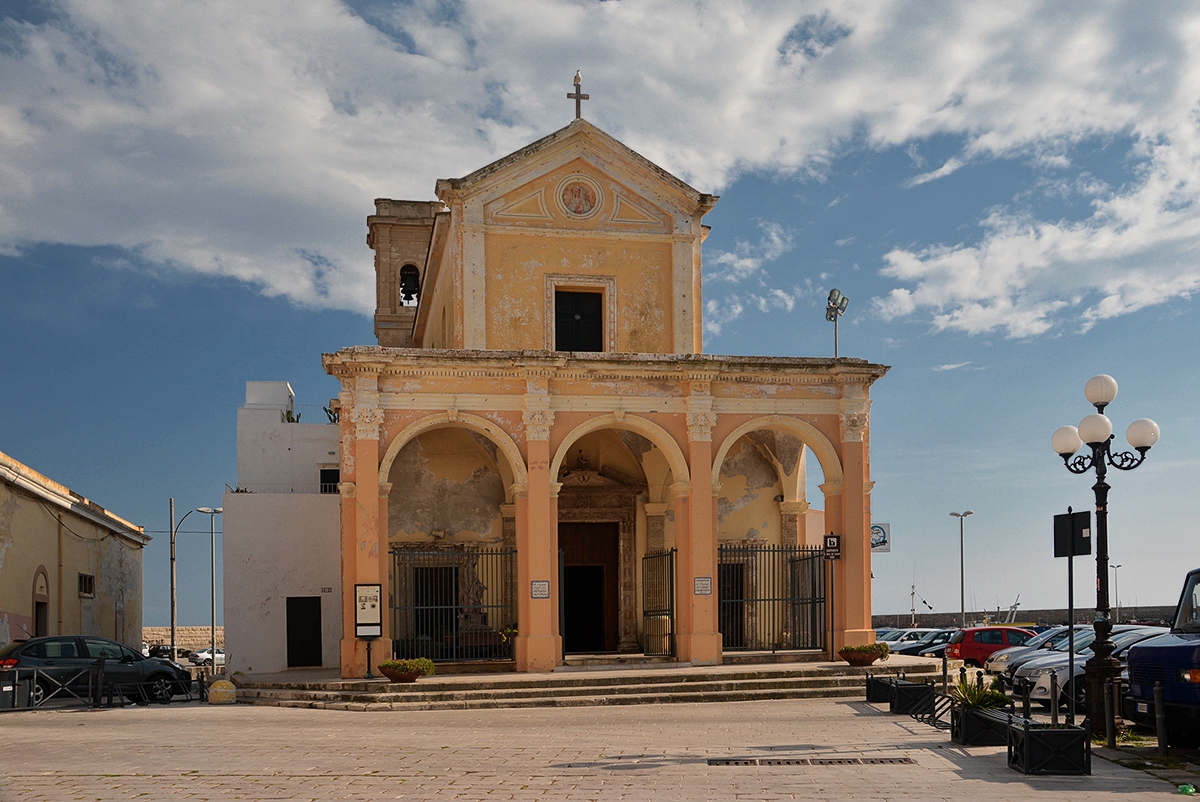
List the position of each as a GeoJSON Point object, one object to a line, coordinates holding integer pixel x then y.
{"type": "Point", "coordinates": [1117, 595]}
{"type": "Point", "coordinates": [962, 573]}
{"type": "Point", "coordinates": [212, 514]}
{"type": "Point", "coordinates": [1095, 431]}
{"type": "Point", "coordinates": [209, 511]}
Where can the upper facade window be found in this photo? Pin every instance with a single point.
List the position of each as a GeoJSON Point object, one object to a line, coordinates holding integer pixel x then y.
{"type": "Point", "coordinates": [578, 321]}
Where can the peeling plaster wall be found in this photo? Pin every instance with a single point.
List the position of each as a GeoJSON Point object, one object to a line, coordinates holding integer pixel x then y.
{"type": "Point", "coordinates": [446, 482]}
{"type": "Point", "coordinates": [276, 546]}
{"type": "Point", "coordinates": [746, 506]}
{"type": "Point", "coordinates": [29, 538]}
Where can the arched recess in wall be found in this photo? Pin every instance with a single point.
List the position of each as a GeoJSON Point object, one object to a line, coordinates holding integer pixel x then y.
{"type": "Point", "coordinates": [657, 436]}
{"type": "Point", "coordinates": [450, 475]}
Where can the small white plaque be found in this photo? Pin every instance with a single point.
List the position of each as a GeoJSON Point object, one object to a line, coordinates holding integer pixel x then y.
{"type": "Point", "coordinates": [539, 589]}
{"type": "Point", "coordinates": [703, 586]}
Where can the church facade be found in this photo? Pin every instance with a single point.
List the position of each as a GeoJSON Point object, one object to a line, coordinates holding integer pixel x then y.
{"type": "Point", "coordinates": [537, 460]}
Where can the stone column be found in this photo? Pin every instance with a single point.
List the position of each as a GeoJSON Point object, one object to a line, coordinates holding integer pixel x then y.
{"type": "Point", "coordinates": [364, 518]}
{"type": "Point", "coordinates": [699, 640]}
{"type": "Point", "coordinates": [538, 642]}
{"type": "Point", "coordinates": [856, 533]}
{"type": "Point", "coordinates": [791, 523]}
{"type": "Point", "coordinates": [656, 526]}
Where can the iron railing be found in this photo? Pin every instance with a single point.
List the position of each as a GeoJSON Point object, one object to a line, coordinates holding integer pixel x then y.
{"type": "Point", "coordinates": [770, 597]}
{"type": "Point", "coordinates": [454, 603]}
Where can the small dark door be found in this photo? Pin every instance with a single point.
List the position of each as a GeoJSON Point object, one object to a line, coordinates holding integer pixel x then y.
{"type": "Point", "coordinates": [303, 631]}
{"type": "Point", "coordinates": [590, 606]}
{"type": "Point", "coordinates": [731, 602]}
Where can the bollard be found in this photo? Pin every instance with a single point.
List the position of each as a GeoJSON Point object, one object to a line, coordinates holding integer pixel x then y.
{"type": "Point", "coordinates": [979, 678]}
{"type": "Point", "coordinates": [945, 673]}
{"type": "Point", "coordinates": [1110, 724]}
{"type": "Point", "coordinates": [1025, 698]}
{"type": "Point", "coordinates": [1053, 697]}
{"type": "Point", "coordinates": [1160, 720]}
{"type": "Point", "coordinates": [962, 675]}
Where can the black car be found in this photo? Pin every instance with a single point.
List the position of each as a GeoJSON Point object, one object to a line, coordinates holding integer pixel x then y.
{"type": "Point", "coordinates": [66, 667]}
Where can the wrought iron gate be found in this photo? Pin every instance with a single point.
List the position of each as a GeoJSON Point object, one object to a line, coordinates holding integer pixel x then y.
{"type": "Point", "coordinates": [453, 603]}
{"type": "Point", "coordinates": [770, 597]}
{"type": "Point", "coordinates": [658, 604]}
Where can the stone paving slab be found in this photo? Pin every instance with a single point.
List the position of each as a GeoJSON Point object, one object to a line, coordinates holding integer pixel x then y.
{"type": "Point", "coordinates": [648, 752]}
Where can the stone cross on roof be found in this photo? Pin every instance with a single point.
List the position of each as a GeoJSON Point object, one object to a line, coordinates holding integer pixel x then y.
{"type": "Point", "coordinates": [577, 96]}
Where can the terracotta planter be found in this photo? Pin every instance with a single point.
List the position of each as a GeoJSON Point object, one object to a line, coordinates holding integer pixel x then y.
{"type": "Point", "coordinates": [399, 676]}
{"type": "Point", "coordinates": [859, 658]}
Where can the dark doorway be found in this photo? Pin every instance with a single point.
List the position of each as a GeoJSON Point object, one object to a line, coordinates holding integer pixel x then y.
{"type": "Point", "coordinates": [590, 605]}
{"type": "Point", "coordinates": [731, 603]}
{"type": "Point", "coordinates": [303, 631]}
{"type": "Point", "coordinates": [578, 321]}
{"type": "Point", "coordinates": [41, 619]}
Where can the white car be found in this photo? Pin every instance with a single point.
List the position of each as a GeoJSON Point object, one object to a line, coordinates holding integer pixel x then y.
{"type": "Point", "coordinates": [204, 657]}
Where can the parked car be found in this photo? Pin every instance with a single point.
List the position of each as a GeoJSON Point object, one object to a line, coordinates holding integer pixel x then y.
{"type": "Point", "coordinates": [1053, 638]}
{"type": "Point", "coordinates": [65, 665]}
{"type": "Point", "coordinates": [204, 657]}
{"type": "Point", "coordinates": [1020, 668]}
{"type": "Point", "coordinates": [1122, 643]}
{"type": "Point", "coordinates": [937, 637]}
{"type": "Point", "coordinates": [903, 637]}
{"type": "Point", "coordinates": [974, 645]}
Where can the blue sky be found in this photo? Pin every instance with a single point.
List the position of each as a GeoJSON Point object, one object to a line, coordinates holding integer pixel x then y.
{"type": "Point", "coordinates": [1008, 196]}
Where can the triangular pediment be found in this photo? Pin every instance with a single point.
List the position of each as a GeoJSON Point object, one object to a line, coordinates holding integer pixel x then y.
{"type": "Point", "coordinates": [576, 195]}
{"type": "Point", "coordinates": [647, 191]}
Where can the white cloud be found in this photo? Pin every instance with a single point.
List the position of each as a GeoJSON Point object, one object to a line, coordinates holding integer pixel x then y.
{"type": "Point", "coordinates": [230, 138]}
{"type": "Point", "coordinates": [749, 257]}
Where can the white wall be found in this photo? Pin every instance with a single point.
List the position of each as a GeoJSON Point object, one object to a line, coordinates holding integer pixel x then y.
{"type": "Point", "coordinates": [274, 456]}
{"type": "Point", "coordinates": [276, 546]}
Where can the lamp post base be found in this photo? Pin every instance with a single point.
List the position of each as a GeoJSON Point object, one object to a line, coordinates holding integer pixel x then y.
{"type": "Point", "coordinates": [1096, 672]}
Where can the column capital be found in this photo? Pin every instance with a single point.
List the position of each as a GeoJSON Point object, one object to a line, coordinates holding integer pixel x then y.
{"type": "Point", "coordinates": [367, 421]}
{"type": "Point", "coordinates": [854, 426]}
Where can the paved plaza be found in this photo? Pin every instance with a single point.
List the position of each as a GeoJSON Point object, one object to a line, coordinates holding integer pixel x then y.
{"type": "Point", "coordinates": [191, 751]}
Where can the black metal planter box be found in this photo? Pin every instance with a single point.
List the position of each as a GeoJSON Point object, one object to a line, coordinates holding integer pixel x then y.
{"type": "Point", "coordinates": [879, 689]}
{"type": "Point", "coordinates": [908, 697]}
{"type": "Point", "coordinates": [975, 727]}
{"type": "Point", "coordinates": [1042, 749]}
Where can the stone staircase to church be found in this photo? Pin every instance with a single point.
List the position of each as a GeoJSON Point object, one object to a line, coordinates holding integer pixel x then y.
{"type": "Point", "coordinates": [577, 688]}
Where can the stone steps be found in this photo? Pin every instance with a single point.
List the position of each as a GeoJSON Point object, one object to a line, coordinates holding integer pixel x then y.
{"type": "Point", "coordinates": [575, 688]}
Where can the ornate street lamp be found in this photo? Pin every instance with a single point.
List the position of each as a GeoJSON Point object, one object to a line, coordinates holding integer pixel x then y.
{"type": "Point", "coordinates": [1095, 431]}
{"type": "Point", "coordinates": [962, 573]}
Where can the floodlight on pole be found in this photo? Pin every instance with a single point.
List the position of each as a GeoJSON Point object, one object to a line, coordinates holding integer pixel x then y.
{"type": "Point", "coordinates": [834, 309]}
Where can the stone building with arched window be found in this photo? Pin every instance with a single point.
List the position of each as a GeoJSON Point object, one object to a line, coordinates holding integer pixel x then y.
{"type": "Point", "coordinates": [537, 461]}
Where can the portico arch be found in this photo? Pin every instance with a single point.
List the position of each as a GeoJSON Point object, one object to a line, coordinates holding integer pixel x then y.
{"type": "Point", "coordinates": [514, 462]}
{"type": "Point", "coordinates": [818, 443]}
{"type": "Point", "coordinates": [648, 429]}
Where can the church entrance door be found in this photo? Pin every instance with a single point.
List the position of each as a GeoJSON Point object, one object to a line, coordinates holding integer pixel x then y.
{"type": "Point", "coordinates": [590, 603]}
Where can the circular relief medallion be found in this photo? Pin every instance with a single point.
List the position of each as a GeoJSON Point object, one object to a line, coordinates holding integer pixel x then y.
{"type": "Point", "coordinates": [579, 196]}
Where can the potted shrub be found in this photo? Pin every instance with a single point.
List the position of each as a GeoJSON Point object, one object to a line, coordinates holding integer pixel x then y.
{"type": "Point", "coordinates": [976, 718]}
{"type": "Point", "coordinates": [407, 670]}
{"type": "Point", "coordinates": [864, 655]}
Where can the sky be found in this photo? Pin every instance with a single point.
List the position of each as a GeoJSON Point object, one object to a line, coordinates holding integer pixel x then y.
{"type": "Point", "coordinates": [1008, 194]}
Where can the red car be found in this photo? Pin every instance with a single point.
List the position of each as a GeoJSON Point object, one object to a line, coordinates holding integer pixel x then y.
{"type": "Point", "coordinates": [974, 645]}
